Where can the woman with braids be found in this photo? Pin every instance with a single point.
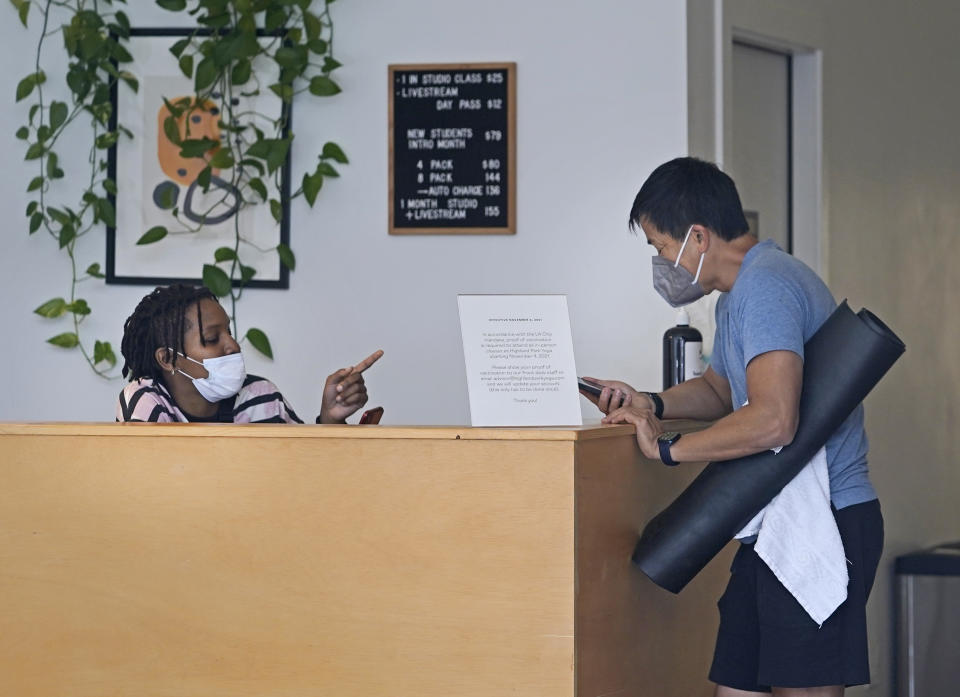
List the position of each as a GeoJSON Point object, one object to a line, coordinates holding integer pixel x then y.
{"type": "Point", "coordinates": [184, 365]}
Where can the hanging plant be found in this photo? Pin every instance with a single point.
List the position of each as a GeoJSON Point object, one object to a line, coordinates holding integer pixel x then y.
{"type": "Point", "coordinates": [231, 149]}
{"type": "Point", "coordinates": [240, 50]}
{"type": "Point", "coordinates": [93, 41]}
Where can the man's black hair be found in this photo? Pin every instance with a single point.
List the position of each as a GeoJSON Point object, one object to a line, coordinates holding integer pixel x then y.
{"type": "Point", "coordinates": [159, 322]}
{"type": "Point", "coordinates": [687, 191]}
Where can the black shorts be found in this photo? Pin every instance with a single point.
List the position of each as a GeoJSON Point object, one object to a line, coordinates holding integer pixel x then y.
{"type": "Point", "coordinates": [766, 638]}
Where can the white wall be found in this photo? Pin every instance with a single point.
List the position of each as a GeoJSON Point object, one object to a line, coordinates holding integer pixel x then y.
{"type": "Point", "coordinates": [601, 101]}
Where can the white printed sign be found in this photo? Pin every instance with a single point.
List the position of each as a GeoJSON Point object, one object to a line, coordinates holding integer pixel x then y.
{"type": "Point", "coordinates": [519, 358]}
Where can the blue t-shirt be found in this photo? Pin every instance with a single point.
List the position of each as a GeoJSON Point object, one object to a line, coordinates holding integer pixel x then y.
{"type": "Point", "coordinates": [776, 304]}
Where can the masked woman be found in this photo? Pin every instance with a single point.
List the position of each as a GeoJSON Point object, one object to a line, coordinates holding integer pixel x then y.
{"type": "Point", "coordinates": [184, 365]}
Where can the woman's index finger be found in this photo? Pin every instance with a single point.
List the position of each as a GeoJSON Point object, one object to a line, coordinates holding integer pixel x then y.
{"type": "Point", "coordinates": [368, 361]}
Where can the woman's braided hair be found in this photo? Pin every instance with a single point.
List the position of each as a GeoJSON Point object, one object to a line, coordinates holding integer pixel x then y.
{"type": "Point", "coordinates": [159, 322]}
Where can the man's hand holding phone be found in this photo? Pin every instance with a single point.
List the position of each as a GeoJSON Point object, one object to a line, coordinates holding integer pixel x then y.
{"type": "Point", "coordinates": [609, 395]}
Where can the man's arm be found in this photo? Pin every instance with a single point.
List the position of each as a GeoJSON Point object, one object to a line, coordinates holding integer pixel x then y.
{"type": "Point", "coordinates": [704, 399]}
{"type": "Point", "coordinates": [774, 380]}
{"type": "Point", "coordinates": [769, 420]}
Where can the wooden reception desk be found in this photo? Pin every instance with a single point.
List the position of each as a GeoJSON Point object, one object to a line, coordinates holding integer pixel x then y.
{"type": "Point", "coordinates": [145, 560]}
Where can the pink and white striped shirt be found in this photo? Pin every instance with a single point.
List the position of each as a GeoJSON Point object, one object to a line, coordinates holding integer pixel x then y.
{"type": "Point", "coordinates": [259, 401]}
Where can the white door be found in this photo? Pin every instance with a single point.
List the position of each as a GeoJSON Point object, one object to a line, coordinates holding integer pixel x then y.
{"type": "Point", "coordinates": [760, 161]}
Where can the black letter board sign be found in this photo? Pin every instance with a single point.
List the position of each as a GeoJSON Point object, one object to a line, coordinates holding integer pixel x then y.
{"type": "Point", "coordinates": [453, 148]}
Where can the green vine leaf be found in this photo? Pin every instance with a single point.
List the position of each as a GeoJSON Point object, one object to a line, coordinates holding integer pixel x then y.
{"type": "Point", "coordinates": [327, 170]}
{"type": "Point", "coordinates": [23, 7]}
{"type": "Point", "coordinates": [23, 133]}
{"type": "Point", "coordinates": [250, 162]}
{"type": "Point", "coordinates": [26, 85]}
{"type": "Point", "coordinates": [58, 215]}
{"type": "Point", "coordinates": [154, 234]}
{"type": "Point", "coordinates": [58, 114]}
{"type": "Point", "coordinates": [311, 186]}
{"type": "Point", "coordinates": [273, 150]}
{"type": "Point", "coordinates": [94, 271]}
{"type": "Point", "coordinates": [318, 46]}
{"type": "Point", "coordinates": [257, 185]}
{"type": "Point", "coordinates": [179, 47]}
{"type": "Point", "coordinates": [323, 86]}
{"type": "Point", "coordinates": [276, 210]}
{"type": "Point", "coordinates": [186, 65]}
{"type": "Point", "coordinates": [36, 220]}
{"type": "Point", "coordinates": [222, 159]}
{"type": "Point", "coordinates": [106, 212]}
{"type": "Point", "coordinates": [131, 80]}
{"type": "Point", "coordinates": [207, 72]}
{"type": "Point", "coordinates": [292, 57]}
{"type": "Point", "coordinates": [122, 20]}
{"type": "Point", "coordinates": [79, 307]}
{"type": "Point", "coordinates": [107, 140]}
{"type": "Point", "coordinates": [173, 5]}
{"type": "Point", "coordinates": [333, 151]}
{"type": "Point", "coordinates": [215, 21]}
{"type": "Point", "coordinates": [197, 147]}
{"type": "Point", "coordinates": [247, 273]}
{"type": "Point", "coordinates": [119, 53]}
{"type": "Point", "coordinates": [330, 64]}
{"type": "Point", "coordinates": [312, 25]}
{"type": "Point", "coordinates": [286, 256]}
{"type": "Point", "coordinates": [171, 130]}
{"type": "Point", "coordinates": [103, 351]}
{"type": "Point", "coordinates": [224, 254]}
{"type": "Point", "coordinates": [35, 184]}
{"type": "Point", "coordinates": [67, 234]}
{"type": "Point", "coordinates": [203, 179]}
{"type": "Point", "coordinates": [177, 108]}
{"type": "Point", "coordinates": [216, 280]}
{"type": "Point", "coordinates": [65, 340]}
{"type": "Point", "coordinates": [259, 341]}
{"type": "Point", "coordinates": [35, 152]}
{"type": "Point", "coordinates": [275, 18]}
{"type": "Point", "coordinates": [241, 72]}
{"type": "Point", "coordinates": [52, 308]}
{"type": "Point", "coordinates": [285, 92]}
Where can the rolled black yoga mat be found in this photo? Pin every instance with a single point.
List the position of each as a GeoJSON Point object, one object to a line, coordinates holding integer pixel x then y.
{"type": "Point", "coordinates": [843, 361]}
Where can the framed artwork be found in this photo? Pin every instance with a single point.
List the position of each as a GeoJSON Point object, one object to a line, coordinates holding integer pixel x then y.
{"type": "Point", "coordinates": [158, 187]}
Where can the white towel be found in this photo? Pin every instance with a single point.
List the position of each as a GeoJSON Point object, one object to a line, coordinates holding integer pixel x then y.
{"type": "Point", "coordinates": [797, 537]}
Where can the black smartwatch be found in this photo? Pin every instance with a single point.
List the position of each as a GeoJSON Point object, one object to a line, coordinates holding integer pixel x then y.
{"type": "Point", "coordinates": [664, 441]}
{"type": "Point", "coordinates": [657, 404]}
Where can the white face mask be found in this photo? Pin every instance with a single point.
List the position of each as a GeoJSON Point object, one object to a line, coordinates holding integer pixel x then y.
{"type": "Point", "coordinates": [225, 376]}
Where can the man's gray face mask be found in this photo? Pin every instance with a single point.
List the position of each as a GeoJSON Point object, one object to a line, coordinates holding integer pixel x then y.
{"type": "Point", "coordinates": [675, 284]}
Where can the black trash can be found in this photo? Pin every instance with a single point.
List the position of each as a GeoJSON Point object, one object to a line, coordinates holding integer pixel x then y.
{"type": "Point", "coordinates": [928, 622]}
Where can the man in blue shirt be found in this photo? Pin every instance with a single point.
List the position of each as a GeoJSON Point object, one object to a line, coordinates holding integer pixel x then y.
{"type": "Point", "coordinates": [771, 304]}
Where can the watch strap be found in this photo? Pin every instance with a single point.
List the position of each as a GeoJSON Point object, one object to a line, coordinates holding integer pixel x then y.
{"type": "Point", "coordinates": [664, 444]}
{"type": "Point", "coordinates": [657, 404]}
